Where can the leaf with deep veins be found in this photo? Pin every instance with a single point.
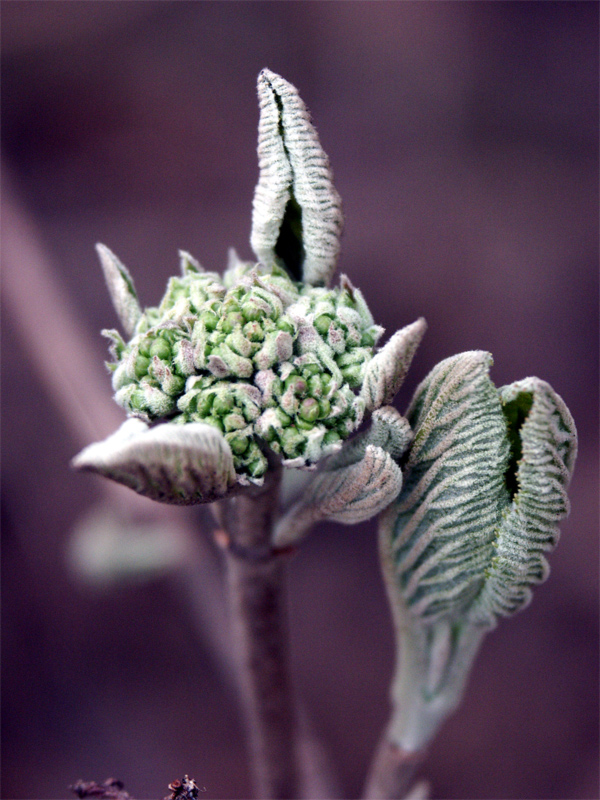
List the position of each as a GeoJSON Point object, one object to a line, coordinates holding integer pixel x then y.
{"type": "Point", "coordinates": [297, 215]}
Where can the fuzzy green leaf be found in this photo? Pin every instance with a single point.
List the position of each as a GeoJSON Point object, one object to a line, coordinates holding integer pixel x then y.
{"type": "Point", "coordinates": [297, 214]}
{"type": "Point", "coordinates": [387, 369]}
{"type": "Point", "coordinates": [544, 440]}
{"type": "Point", "coordinates": [121, 289]}
{"type": "Point", "coordinates": [441, 528]}
{"type": "Point", "coordinates": [349, 494]}
{"type": "Point", "coordinates": [179, 464]}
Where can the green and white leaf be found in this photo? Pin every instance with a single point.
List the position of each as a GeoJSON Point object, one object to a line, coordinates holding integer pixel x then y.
{"type": "Point", "coordinates": [544, 448]}
{"type": "Point", "coordinates": [386, 371]}
{"type": "Point", "coordinates": [179, 464]}
{"type": "Point", "coordinates": [349, 494]}
{"type": "Point", "coordinates": [442, 526]}
{"type": "Point", "coordinates": [121, 289]}
{"type": "Point", "coordinates": [297, 213]}
{"type": "Point", "coordinates": [388, 430]}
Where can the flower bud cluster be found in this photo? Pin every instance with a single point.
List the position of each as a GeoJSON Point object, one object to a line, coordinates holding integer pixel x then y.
{"type": "Point", "coordinates": [267, 361]}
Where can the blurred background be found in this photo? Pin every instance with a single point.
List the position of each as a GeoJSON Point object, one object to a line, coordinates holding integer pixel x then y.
{"type": "Point", "coordinates": [464, 141]}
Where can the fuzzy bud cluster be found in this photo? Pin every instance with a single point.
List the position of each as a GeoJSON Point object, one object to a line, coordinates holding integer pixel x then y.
{"type": "Point", "coordinates": [265, 360]}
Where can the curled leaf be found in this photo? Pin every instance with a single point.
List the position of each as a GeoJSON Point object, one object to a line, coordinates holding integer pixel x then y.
{"type": "Point", "coordinates": [348, 494]}
{"type": "Point", "coordinates": [297, 214]}
{"type": "Point", "coordinates": [484, 488]}
{"type": "Point", "coordinates": [387, 369]}
{"type": "Point", "coordinates": [543, 442]}
{"type": "Point", "coordinates": [179, 464]}
{"type": "Point", "coordinates": [441, 528]}
{"type": "Point", "coordinates": [388, 430]}
{"type": "Point", "coordinates": [121, 289]}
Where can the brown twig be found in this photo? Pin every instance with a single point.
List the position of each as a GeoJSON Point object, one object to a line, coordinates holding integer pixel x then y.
{"type": "Point", "coordinates": [256, 579]}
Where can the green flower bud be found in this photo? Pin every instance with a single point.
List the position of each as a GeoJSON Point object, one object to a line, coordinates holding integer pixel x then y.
{"type": "Point", "coordinates": [229, 354]}
{"type": "Point", "coordinates": [160, 348]}
{"type": "Point", "coordinates": [210, 320]}
{"type": "Point", "coordinates": [223, 403]}
{"type": "Point", "coordinates": [141, 366]}
{"type": "Point", "coordinates": [309, 409]}
{"type": "Point", "coordinates": [238, 442]}
{"type": "Point", "coordinates": [323, 323]}
{"type": "Point", "coordinates": [292, 441]}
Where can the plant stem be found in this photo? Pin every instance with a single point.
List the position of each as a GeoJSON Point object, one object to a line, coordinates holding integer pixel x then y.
{"type": "Point", "coordinates": [392, 771]}
{"type": "Point", "coordinates": [256, 580]}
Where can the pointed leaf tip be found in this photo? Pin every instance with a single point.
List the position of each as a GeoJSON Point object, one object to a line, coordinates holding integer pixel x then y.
{"type": "Point", "coordinates": [121, 289]}
{"type": "Point", "coordinates": [297, 213]}
{"type": "Point", "coordinates": [387, 369]}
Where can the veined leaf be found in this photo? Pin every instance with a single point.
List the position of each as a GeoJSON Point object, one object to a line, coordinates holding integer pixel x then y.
{"type": "Point", "coordinates": [297, 214]}
{"type": "Point", "coordinates": [441, 529]}
{"type": "Point", "coordinates": [349, 494]}
{"type": "Point", "coordinates": [544, 439]}
{"type": "Point", "coordinates": [179, 464]}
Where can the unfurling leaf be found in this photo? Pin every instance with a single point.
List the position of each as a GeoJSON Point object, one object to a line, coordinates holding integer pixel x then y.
{"type": "Point", "coordinates": [121, 289]}
{"type": "Point", "coordinates": [441, 528]}
{"type": "Point", "coordinates": [179, 464]}
{"type": "Point", "coordinates": [297, 214]}
{"type": "Point", "coordinates": [386, 371]}
{"type": "Point", "coordinates": [484, 489]}
{"type": "Point", "coordinates": [356, 483]}
{"type": "Point", "coordinates": [543, 451]}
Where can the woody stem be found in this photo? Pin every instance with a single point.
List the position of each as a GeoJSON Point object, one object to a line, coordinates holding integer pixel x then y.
{"type": "Point", "coordinates": [256, 581]}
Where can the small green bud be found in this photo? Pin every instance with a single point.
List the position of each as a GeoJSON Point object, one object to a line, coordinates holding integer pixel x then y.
{"type": "Point", "coordinates": [315, 387]}
{"type": "Point", "coordinates": [292, 441]}
{"type": "Point", "coordinates": [286, 325]}
{"type": "Point", "coordinates": [303, 425]}
{"type": "Point", "coordinates": [309, 409]}
{"type": "Point", "coordinates": [283, 417]}
{"type": "Point", "coordinates": [204, 404]}
{"type": "Point", "coordinates": [210, 320]}
{"type": "Point", "coordinates": [238, 442]}
{"type": "Point", "coordinates": [223, 403]}
{"type": "Point", "coordinates": [231, 321]}
{"type": "Point", "coordinates": [251, 311]}
{"type": "Point", "coordinates": [311, 370]}
{"type": "Point", "coordinates": [254, 332]}
{"type": "Point", "coordinates": [331, 437]}
{"type": "Point", "coordinates": [297, 384]}
{"type": "Point", "coordinates": [352, 375]}
{"type": "Point", "coordinates": [141, 366]}
{"type": "Point", "coordinates": [258, 467]}
{"type": "Point", "coordinates": [138, 400]}
{"type": "Point", "coordinates": [323, 323]}
{"type": "Point", "coordinates": [370, 336]}
{"type": "Point", "coordinates": [161, 348]}
{"type": "Point", "coordinates": [215, 422]}
{"type": "Point", "coordinates": [234, 422]}
{"type": "Point", "coordinates": [324, 408]}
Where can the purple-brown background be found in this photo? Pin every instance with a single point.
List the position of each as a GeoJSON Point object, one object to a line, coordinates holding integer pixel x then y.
{"type": "Point", "coordinates": [464, 140]}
